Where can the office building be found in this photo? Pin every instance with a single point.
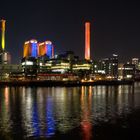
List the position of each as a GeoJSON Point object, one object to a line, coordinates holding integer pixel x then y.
{"type": "Point", "coordinates": [30, 49]}
{"type": "Point", "coordinates": [109, 67]}
{"type": "Point", "coordinates": [46, 48]}
{"type": "Point", "coordinates": [113, 66]}
{"type": "Point", "coordinates": [129, 71]}
{"type": "Point", "coordinates": [29, 67]}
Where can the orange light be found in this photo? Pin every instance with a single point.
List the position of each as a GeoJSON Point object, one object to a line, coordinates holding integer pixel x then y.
{"type": "Point", "coordinates": [42, 49]}
{"type": "Point", "coordinates": [86, 112]}
{"type": "Point", "coordinates": [87, 40]}
{"type": "Point", "coordinates": [26, 52]}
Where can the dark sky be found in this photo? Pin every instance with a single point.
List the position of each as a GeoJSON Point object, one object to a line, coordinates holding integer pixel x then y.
{"type": "Point", "coordinates": [115, 26]}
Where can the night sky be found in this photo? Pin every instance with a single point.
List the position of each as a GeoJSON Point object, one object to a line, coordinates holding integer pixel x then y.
{"type": "Point", "coordinates": [115, 26]}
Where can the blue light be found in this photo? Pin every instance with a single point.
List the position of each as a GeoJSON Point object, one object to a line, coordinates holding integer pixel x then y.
{"type": "Point", "coordinates": [50, 118]}
{"type": "Point", "coordinates": [34, 50]}
{"type": "Point", "coordinates": [35, 121]}
{"type": "Point", "coordinates": [49, 50]}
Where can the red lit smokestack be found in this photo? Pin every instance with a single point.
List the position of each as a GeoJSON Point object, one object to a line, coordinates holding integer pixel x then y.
{"type": "Point", "coordinates": [87, 40]}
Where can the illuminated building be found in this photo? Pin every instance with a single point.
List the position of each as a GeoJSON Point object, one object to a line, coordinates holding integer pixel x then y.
{"type": "Point", "coordinates": [129, 71]}
{"type": "Point", "coordinates": [62, 63]}
{"type": "Point", "coordinates": [61, 66]}
{"type": "Point", "coordinates": [30, 49]}
{"type": "Point", "coordinates": [87, 40]}
{"type": "Point", "coordinates": [103, 66]}
{"type": "Point", "coordinates": [135, 61]}
{"type": "Point", "coordinates": [114, 66]}
{"type": "Point", "coordinates": [82, 66]}
{"type": "Point", "coordinates": [109, 67]}
{"type": "Point", "coordinates": [65, 63]}
{"type": "Point", "coordinates": [58, 68]}
{"type": "Point", "coordinates": [29, 67]}
{"type": "Point", "coordinates": [55, 69]}
{"type": "Point", "coordinates": [46, 48]}
{"type": "Point", "coordinates": [55, 66]}
{"type": "Point", "coordinates": [120, 70]}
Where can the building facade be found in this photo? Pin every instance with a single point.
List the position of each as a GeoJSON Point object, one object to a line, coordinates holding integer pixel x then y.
{"type": "Point", "coordinates": [30, 49]}
{"type": "Point", "coordinates": [46, 48]}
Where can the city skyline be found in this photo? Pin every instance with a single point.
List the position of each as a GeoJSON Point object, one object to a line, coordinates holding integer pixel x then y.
{"type": "Point", "coordinates": [114, 26]}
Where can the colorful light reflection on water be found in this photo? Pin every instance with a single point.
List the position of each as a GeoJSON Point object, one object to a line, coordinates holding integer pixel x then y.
{"type": "Point", "coordinates": [44, 111]}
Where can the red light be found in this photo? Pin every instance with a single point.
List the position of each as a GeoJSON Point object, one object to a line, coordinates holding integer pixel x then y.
{"type": "Point", "coordinates": [87, 40]}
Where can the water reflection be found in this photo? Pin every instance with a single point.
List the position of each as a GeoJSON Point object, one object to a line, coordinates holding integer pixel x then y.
{"type": "Point", "coordinates": [41, 112]}
{"type": "Point", "coordinates": [86, 95]}
{"type": "Point", "coordinates": [4, 109]}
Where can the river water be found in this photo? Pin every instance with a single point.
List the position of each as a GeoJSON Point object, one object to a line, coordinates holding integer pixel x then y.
{"type": "Point", "coordinates": [84, 113]}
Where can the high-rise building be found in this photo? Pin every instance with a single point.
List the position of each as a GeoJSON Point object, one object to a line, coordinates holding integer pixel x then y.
{"type": "Point", "coordinates": [110, 66]}
{"type": "Point", "coordinates": [87, 40]}
{"type": "Point", "coordinates": [46, 48]}
{"type": "Point", "coordinates": [103, 66]}
{"type": "Point", "coordinates": [30, 48]}
{"type": "Point", "coordinates": [114, 66]}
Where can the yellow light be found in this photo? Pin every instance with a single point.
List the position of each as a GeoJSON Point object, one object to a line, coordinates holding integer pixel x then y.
{"type": "Point", "coordinates": [48, 42]}
{"type": "Point", "coordinates": [27, 42]}
{"type": "Point", "coordinates": [82, 80]}
{"type": "Point", "coordinates": [3, 34]}
{"type": "Point", "coordinates": [41, 44]}
{"type": "Point", "coordinates": [90, 80]}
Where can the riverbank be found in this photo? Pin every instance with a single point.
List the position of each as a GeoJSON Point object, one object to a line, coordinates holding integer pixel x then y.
{"type": "Point", "coordinates": [63, 83]}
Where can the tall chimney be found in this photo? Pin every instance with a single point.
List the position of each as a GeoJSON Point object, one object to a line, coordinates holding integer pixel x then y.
{"type": "Point", "coordinates": [3, 34]}
{"type": "Point", "coordinates": [87, 40]}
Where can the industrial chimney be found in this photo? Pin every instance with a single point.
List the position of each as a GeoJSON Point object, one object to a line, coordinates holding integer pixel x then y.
{"type": "Point", "coordinates": [87, 40]}
{"type": "Point", "coordinates": [5, 57]}
{"type": "Point", "coordinates": [3, 34]}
